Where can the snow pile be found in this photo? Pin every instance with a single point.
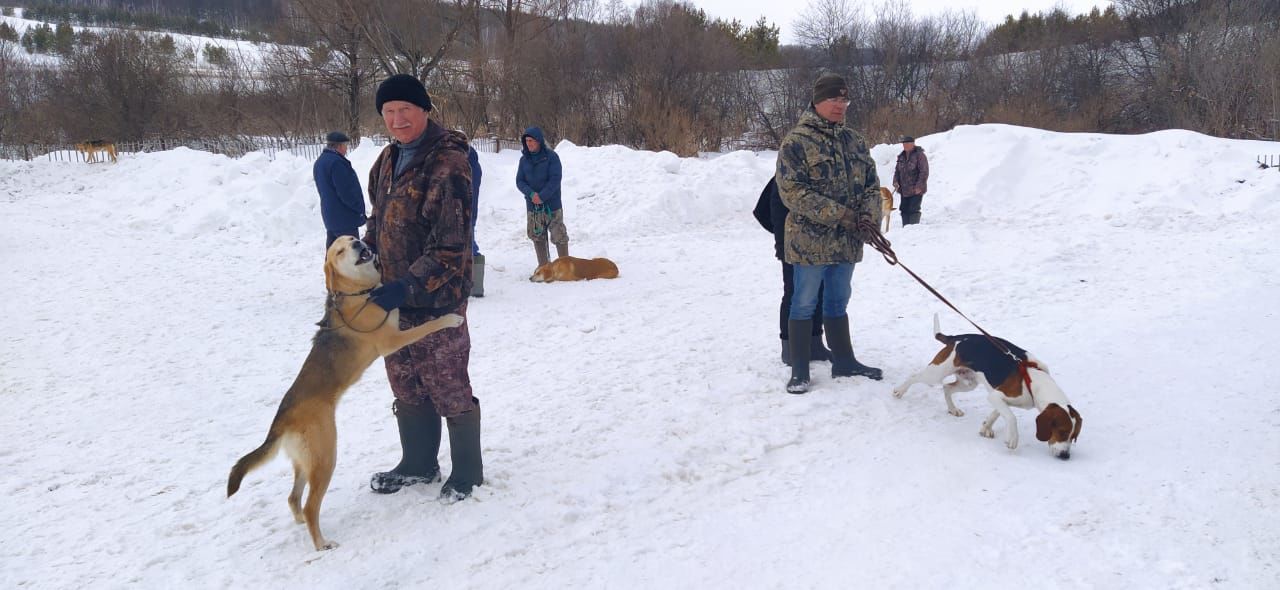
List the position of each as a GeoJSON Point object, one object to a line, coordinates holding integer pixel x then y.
{"type": "Point", "coordinates": [636, 430]}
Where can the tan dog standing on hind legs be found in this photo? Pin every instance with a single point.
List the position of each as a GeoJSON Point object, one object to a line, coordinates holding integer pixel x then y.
{"type": "Point", "coordinates": [354, 333]}
{"type": "Point", "coordinates": [974, 360]}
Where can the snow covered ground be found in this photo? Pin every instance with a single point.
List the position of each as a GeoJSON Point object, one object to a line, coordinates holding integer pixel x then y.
{"type": "Point", "coordinates": [636, 430]}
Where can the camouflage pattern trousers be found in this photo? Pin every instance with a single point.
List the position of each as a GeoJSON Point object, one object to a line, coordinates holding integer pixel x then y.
{"type": "Point", "coordinates": [433, 370]}
{"type": "Point", "coordinates": [544, 223]}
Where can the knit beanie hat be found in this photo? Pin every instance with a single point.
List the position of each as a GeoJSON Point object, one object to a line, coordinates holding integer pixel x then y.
{"type": "Point", "coordinates": [829, 86]}
{"type": "Point", "coordinates": [402, 87]}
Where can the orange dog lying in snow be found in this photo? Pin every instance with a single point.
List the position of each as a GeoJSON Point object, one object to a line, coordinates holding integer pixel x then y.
{"type": "Point", "coordinates": [568, 268]}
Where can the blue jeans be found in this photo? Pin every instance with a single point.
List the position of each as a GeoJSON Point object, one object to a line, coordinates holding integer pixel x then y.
{"type": "Point", "coordinates": [836, 283]}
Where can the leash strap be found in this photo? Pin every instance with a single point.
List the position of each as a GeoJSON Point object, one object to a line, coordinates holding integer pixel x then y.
{"type": "Point", "coordinates": [871, 235]}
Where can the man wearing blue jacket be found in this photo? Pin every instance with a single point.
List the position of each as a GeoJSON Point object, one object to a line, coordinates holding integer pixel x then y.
{"type": "Point", "coordinates": [477, 259]}
{"type": "Point", "coordinates": [538, 179]}
{"type": "Point", "coordinates": [341, 199]}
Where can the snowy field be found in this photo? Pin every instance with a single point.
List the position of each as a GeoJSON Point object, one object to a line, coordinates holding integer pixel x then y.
{"type": "Point", "coordinates": [636, 430]}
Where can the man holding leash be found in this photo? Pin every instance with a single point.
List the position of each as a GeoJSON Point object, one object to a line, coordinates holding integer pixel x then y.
{"type": "Point", "coordinates": [828, 181]}
{"type": "Point", "coordinates": [341, 204]}
{"type": "Point", "coordinates": [420, 188]}
{"type": "Point", "coordinates": [538, 179]}
{"type": "Point", "coordinates": [911, 179]}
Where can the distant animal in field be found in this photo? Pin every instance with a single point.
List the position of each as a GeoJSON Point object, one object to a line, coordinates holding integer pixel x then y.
{"type": "Point", "coordinates": [886, 206]}
{"type": "Point", "coordinates": [97, 150]}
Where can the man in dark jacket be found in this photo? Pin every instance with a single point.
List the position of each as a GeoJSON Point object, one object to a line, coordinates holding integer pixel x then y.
{"type": "Point", "coordinates": [911, 179]}
{"type": "Point", "coordinates": [341, 204]}
{"type": "Point", "coordinates": [772, 215]}
{"type": "Point", "coordinates": [538, 179]}
{"type": "Point", "coordinates": [420, 188]}
{"type": "Point", "coordinates": [477, 265]}
{"type": "Point", "coordinates": [828, 181]}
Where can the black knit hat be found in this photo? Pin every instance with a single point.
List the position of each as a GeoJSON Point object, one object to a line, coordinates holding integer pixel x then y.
{"type": "Point", "coordinates": [829, 86]}
{"type": "Point", "coordinates": [337, 137]}
{"type": "Point", "coordinates": [402, 87]}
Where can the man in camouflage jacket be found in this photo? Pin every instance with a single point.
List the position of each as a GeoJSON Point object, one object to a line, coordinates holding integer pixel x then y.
{"type": "Point", "coordinates": [911, 179]}
{"type": "Point", "coordinates": [420, 189]}
{"type": "Point", "coordinates": [828, 181]}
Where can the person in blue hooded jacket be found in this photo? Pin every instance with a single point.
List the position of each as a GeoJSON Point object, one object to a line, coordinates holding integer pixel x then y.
{"type": "Point", "coordinates": [341, 198]}
{"type": "Point", "coordinates": [538, 179]}
{"type": "Point", "coordinates": [477, 259]}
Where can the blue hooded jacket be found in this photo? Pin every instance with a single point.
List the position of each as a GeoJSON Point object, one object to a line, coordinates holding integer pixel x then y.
{"type": "Point", "coordinates": [539, 172]}
{"type": "Point", "coordinates": [341, 199]}
{"type": "Point", "coordinates": [474, 159]}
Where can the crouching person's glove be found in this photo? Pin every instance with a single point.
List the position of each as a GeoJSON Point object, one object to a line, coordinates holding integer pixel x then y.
{"type": "Point", "coordinates": [390, 295]}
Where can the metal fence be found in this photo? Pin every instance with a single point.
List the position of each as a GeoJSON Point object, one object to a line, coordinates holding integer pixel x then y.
{"type": "Point", "coordinates": [1267, 161]}
{"type": "Point", "coordinates": [306, 147]}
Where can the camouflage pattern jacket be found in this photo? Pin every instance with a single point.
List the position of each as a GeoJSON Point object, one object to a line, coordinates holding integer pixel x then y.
{"type": "Point", "coordinates": [911, 175]}
{"type": "Point", "coordinates": [824, 171]}
{"type": "Point", "coordinates": [421, 223]}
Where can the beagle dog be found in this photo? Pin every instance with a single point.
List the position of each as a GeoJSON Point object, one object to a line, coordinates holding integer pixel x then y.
{"type": "Point", "coordinates": [974, 360]}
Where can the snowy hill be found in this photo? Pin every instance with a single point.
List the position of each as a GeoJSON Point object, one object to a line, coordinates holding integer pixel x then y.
{"type": "Point", "coordinates": [636, 431]}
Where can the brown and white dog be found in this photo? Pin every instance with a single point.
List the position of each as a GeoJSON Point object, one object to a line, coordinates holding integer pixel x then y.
{"type": "Point", "coordinates": [974, 360]}
{"type": "Point", "coordinates": [568, 268]}
{"type": "Point", "coordinates": [886, 206]}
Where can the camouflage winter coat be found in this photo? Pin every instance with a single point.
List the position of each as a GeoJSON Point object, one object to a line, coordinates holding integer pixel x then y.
{"type": "Point", "coordinates": [824, 171]}
{"type": "Point", "coordinates": [421, 223]}
{"type": "Point", "coordinates": [911, 175]}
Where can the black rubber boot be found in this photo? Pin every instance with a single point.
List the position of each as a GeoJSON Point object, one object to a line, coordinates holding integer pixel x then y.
{"type": "Point", "coordinates": [818, 352]}
{"type": "Point", "coordinates": [799, 382]}
{"type": "Point", "coordinates": [464, 450]}
{"type": "Point", "coordinates": [477, 276]}
{"type": "Point", "coordinates": [419, 442]}
{"type": "Point", "coordinates": [843, 363]}
{"type": "Point", "coordinates": [786, 352]}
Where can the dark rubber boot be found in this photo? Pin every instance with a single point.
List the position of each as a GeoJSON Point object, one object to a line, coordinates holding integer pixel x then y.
{"type": "Point", "coordinates": [786, 352]}
{"type": "Point", "coordinates": [464, 450]}
{"type": "Point", "coordinates": [419, 442]}
{"type": "Point", "coordinates": [799, 382]}
{"type": "Point", "coordinates": [818, 352]}
{"type": "Point", "coordinates": [477, 276]}
{"type": "Point", "coordinates": [541, 250]}
{"type": "Point", "coordinates": [843, 363]}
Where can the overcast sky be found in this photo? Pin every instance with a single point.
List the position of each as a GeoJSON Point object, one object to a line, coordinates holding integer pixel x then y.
{"type": "Point", "coordinates": [782, 12]}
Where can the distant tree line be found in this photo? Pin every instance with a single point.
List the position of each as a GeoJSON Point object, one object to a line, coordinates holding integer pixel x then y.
{"type": "Point", "coordinates": [662, 75]}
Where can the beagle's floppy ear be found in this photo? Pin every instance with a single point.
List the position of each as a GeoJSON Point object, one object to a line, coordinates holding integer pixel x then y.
{"type": "Point", "coordinates": [329, 279]}
{"type": "Point", "coordinates": [1047, 421]}
{"type": "Point", "coordinates": [1075, 432]}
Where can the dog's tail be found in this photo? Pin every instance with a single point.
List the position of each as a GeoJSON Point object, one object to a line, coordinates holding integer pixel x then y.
{"type": "Point", "coordinates": [937, 332]}
{"type": "Point", "coordinates": [252, 461]}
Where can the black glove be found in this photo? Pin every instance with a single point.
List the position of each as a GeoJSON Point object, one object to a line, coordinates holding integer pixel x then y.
{"type": "Point", "coordinates": [866, 228]}
{"type": "Point", "coordinates": [391, 295]}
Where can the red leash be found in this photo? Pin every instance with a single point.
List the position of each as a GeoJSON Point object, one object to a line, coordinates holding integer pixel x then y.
{"type": "Point", "coordinates": [885, 248]}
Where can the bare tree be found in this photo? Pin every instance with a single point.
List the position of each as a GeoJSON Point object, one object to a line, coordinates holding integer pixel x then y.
{"type": "Point", "coordinates": [120, 87]}
{"type": "Point", "coordinates": [340, 58]}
